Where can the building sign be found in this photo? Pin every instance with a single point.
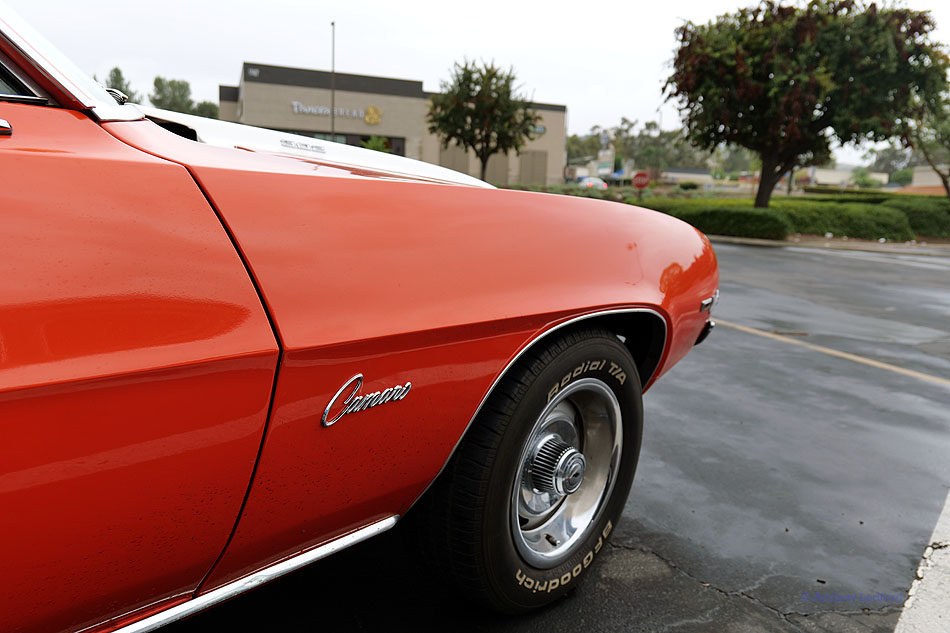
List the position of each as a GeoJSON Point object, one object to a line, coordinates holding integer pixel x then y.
{"type": "Point", "coordinates": [371, 115]}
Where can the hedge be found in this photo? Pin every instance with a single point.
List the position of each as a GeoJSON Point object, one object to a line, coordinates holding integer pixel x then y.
{"type": "Point", "coordinates": [865, 215]}
{"type": "Point", "coordinates": [876, 198]}
{"type": "Point", "coordinates": [868, 221]}
{"type": "Point", "coordinates": [825, 189]}
{"type": "Point", "coordinates": [722, 216]}
{"type": "Point", "coordinates": [611, 193]}
{"type": "Point", "coordinates": [737, 221]}
{"type": "Point", "coordinates": [928, 217]}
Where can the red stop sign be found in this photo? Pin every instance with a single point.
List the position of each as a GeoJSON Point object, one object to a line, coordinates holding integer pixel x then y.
{"type": "Point", "coordinates": [641, 179]}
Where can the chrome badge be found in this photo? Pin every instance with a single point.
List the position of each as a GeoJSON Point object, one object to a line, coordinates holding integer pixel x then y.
{"type": "Point", "coordinates": [304, 146]}
{"type": "Point", "coordinates": [354, 403]}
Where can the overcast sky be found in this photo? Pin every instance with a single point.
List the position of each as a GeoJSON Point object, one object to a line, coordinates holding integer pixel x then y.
{"type": "Point", "coordinates": [602, 60]}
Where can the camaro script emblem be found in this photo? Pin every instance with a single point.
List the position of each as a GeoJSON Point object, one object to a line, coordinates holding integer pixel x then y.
{"type": "Point", "coordinates": [354, 403]}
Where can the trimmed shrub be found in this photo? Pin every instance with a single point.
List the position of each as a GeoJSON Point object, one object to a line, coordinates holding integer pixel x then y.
{"type": "Point", "coordinates": [868, 221]}
{"type": "Point", "coordinates": [825, 189]}
{"type": "Point", "coordinates": [672, 205]}
{"type": "Point", "coordinates": [871, 198]}
{"type": "Point", "coordinates": [722, 216]}
{"type": "Point", "coordinates": [929, 217]}
{"type": "Point", "coordinates": [687, 185]}
{"type": "Point", "coordinates": [736, 221]}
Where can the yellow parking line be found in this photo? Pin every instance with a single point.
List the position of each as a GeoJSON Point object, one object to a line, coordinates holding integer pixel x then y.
{"type": "Point", "coordinates": [833, 352]}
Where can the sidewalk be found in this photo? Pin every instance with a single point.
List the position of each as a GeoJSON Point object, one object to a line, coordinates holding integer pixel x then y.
{"type": "Point", "coordinates": [940, 248]}
{"type": "Point", "coordinates": [927, 608]}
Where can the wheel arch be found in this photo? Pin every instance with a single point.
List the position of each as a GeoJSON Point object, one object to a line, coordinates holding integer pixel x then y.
{"type": "Point", "coordinates": [643, 332]}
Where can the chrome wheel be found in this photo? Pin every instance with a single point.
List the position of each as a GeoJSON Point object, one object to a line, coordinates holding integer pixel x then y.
{"type": "Point", "coordinates": [566, 472]}
{"type": "Point", "coordinates": [539, 482]}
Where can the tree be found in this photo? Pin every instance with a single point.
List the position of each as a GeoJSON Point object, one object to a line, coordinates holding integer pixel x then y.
{"type": "Point", "coordinates": [902, 177]}
{"type": "Point", "coordinates": [175, 95]}
{"type": "Point", "coordinates": [896, 161]}
{"type": "Point", "coordinates": [890, 158]}
{"type": "Point", "coordinates": [118, 81]}
{"type": "Point", "coordinates": [207, 109]}
{"type": "Point", "coordinates": [478, 109]}
{"type": "Point", "coordinates": [582, 149]}
{"type": "Point", "coordinates": [656, 150]}
{"type": "Point", "coordinates": [624, 140]}
{"type": "Point", "coordinates": [732, 158]}
{"type": "Point", "coordinates": [652, 151]}
{"type": "Point", "coordinates": [862, 178]}
{"type": "Point", "coordinates": [377, 143]}
{"type": "Point", "coordinates": [929, 133]}
{"type": "Point", "coordinates": [783, 81]}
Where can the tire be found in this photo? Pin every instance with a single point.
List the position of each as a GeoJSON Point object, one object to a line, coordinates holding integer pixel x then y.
{"type": "Point", "coordinates": [496, 521]}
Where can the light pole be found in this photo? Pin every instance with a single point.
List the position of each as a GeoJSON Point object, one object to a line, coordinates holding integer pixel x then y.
{"type": "Point", "coordinates": [333, 81]}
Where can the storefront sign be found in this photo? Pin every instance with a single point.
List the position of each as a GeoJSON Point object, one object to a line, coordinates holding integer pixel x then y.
{"type": "Point", "coordinates": [371, 115]}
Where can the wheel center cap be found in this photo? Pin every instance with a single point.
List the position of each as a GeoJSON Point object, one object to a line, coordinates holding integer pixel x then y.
{"type": "Point", "coordinates": [570, 472]}
{"type": "Point", "coordinates": [558, 467]}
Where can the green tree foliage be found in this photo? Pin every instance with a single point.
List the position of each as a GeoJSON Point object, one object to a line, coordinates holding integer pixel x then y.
{"type": "Point", "coordinates": [175, 95]}
{"type": "Point", "coordinates": [902, 177]}
{"type": "Point", "coordinates": [583, 149]}
{"type": "Point", "coordinates": [478, 109]}
{"type": "Point", "coordinates": [732, 159]}
{"type": "Point", "coordinates": [207, 109]}
{"type": "Point", "coordinates": [893, 158]}
{"type": "Point", "coordinates": [862, 178]}
{"type": "Point", "coordinates": [118, 81]}
{"type": "Point", "coordinates": [654, 149]}
{"type": "Point", "coordinates": [649, 147]}
{"type": "Point", "coordinates": [928, 132]}
{"type": "Point", "coordinates": [377, 143]}
{"type": "Point", "coordinates": [783, 81]}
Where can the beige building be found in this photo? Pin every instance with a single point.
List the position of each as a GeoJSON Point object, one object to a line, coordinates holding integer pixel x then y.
{"type": "Point", "coordinates": [925, 176]}
{"type": "Point", "coordinates": [830, 177]}
{"type": "Point", "coordinates": [301, 101]}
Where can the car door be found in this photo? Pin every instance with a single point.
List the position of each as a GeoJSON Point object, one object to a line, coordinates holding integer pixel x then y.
{"type": "Point", "coordinates": [136, 369]}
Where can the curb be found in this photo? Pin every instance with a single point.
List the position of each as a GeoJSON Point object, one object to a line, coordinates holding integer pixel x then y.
{"type": "Point", "coordinates": [926, 251]}
{"type": "Point", "coordinates": [927, 608]}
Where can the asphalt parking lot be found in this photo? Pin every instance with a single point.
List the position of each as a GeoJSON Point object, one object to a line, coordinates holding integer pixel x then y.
{"type": "Point", "coordinates": [773, 477]}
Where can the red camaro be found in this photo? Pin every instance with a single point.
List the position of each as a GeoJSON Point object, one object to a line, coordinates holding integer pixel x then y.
{"type": "Point", "coordinates": [227, 352]}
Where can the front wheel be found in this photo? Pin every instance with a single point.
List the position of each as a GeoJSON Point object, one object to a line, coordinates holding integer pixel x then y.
{"type": "Point", "coordinates": [529, 498]}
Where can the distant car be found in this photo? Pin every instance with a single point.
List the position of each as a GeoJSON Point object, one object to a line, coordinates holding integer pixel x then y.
{"type": "Point", "coordinates": [227, 352]}
{"type": "Point", "coordinates": [592, 183]}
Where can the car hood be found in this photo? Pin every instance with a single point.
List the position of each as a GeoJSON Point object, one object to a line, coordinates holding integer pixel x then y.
{"type": "Point", "coordinates": [247, 137]}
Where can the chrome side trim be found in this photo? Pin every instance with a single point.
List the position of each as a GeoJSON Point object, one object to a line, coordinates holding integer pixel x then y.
{"type": "Point", "coordinates": [237, 587]}
{"type": "Point", "coordinates": [531, 344]}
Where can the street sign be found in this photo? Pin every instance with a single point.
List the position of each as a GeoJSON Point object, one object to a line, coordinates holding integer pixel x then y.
{"type": "Point", "coordinates": [641, 179]}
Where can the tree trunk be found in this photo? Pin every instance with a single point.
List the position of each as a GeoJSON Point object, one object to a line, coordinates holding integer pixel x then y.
{"type": "Point", "coordinates": [767, 181]}
{"type": "Point", "coordinates": [945, 181]}
{"type": "Point", "coordinates": [484, 166]}
{"type": "Point", "coordinates": [933, 164]}
{"type": "Point", "coordinates": [791, 180]}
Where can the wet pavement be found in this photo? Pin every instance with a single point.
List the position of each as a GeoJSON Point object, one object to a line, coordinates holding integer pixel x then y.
{"type": "Point", "coordinates": [779, 488]}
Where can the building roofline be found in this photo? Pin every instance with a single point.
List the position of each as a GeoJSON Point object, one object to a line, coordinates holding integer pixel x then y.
{"type": "Point", "coordinates": [287, 76]}
{"type": "Point", "coordinates": [283, 75]}
{"type": "Point", "coordinates": [228, 93]}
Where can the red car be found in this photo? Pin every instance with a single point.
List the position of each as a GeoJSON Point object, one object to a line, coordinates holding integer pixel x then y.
{"type": "Point", "coordinates": [228, 352]}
